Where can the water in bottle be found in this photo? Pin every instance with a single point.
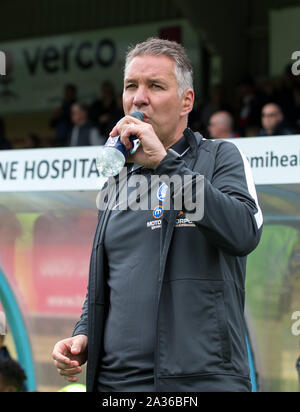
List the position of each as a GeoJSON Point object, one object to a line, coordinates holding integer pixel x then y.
{"type": "Point", "coordinates": [111, 158]}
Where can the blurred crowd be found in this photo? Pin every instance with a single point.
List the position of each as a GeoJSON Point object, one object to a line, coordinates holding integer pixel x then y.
{"type": "Point", "coordinates": [266, 107]}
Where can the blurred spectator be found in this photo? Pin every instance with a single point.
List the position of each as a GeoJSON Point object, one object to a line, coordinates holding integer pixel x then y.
{"type": "Point", "coordinates": [4, 143]}
{"type": "Point", "coordinates": [221, 126]}
{"type": "Point", "coordinates": [105, 112]}
{"type": "Point", "coordinates": [216, 103]}
{"type": "Point", "coordinates": [273, 123]}
{"type": "Point", "coordinates": [83, 133]}
{"type": "Point", "coordinates": [32, 141]}
{"type": "Point", "coordinates": [12, 376]}
{"type": "Point", "coordinates": [61, 120]}
{"type": "Point", "coordinates": [249, 105]}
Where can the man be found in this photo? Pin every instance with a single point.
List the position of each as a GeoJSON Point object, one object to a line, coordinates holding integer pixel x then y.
{"type": "Point", "coordinates": [272, 120]}
{"type": "Point", "coordinates": [12, 376]}
{"type": "Point", "coordinates": [164, 309]}
{"type": "Point", "coordinates": [83, 133]}
{"type": "Point", "coordinates": [221, 126]}
{"type": "Point", "coordinates": [104, 112]}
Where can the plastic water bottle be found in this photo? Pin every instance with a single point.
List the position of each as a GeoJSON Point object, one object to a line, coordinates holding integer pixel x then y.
{"type": "Point", "coordinates": [112, 156]}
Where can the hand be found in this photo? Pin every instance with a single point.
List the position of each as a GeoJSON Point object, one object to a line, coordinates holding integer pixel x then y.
{"type": "Point", "coordinates": [151, 152]}
{"type": "Point", "coordinates": [69, 354]}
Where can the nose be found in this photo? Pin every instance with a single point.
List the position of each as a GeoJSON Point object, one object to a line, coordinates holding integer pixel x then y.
{"type": "Point", "coordinates": [141, 97]}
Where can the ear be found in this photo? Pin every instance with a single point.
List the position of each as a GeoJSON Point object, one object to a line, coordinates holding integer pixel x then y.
{"type": "Point", "coordinates": [188, 98]}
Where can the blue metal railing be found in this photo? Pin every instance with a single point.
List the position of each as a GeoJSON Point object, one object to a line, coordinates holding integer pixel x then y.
{"type": "Point", "coordinates": [252, 366]}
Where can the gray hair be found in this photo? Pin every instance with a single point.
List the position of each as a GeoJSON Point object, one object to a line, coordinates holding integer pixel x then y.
{"type": "Point", "coordinates": [183, 69]}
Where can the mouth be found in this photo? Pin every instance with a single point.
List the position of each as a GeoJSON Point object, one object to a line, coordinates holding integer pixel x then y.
{"type": "Point", "coordinates": [146, 119]}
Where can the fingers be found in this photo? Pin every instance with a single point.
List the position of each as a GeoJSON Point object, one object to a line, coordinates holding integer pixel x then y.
{"type": "Point", "coordinates": [68, 355]}
{"type": "Point", "coordinates": [69, 372]}
{"type": "Point", "coordinates": [114, 132]}
{"type": "Point", "coordinates": [128, 131]}
{"type": "Point", "coordinates": [59, 357]}
{"type": "Point", "coordinates": [60, 354]}
{"type": "Point", "coordinates": [61, 365]}
{"type": "Point", "coordinates": [64, 349]}
{"type": "Point", "coordinates": [127, 120]}
{"type": "Point", "coordinates": [71, 379]}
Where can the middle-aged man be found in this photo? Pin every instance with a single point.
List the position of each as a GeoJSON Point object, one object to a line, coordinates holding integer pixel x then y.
{"type": "Point", "coordinates": [165, 306]}
{"type": "Point", "coordinates": [273, 123]}
{"type": "Point", "coordinates": [221, 126]}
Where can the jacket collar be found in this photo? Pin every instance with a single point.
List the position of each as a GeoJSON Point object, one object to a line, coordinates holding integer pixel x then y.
{"type": "Point", "coordinates": [194, 141]}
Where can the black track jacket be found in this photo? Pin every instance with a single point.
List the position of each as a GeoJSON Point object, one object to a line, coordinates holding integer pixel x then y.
{"type": "Point", "coordinates": [200, 329]}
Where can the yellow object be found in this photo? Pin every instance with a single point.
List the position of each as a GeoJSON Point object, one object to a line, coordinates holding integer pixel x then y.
{"type": "Point", "coordinates": [75, 387]}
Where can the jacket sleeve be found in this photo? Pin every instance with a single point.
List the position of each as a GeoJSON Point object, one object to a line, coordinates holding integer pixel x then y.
{"type": "Point", "coordinates": [232, 219]}
{"type": "Point", "coordinates": [81, 327]}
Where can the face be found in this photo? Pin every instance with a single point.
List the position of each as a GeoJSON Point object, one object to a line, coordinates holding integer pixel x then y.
{"type": "Point", "coordinates": [271, 117]}
{"type": "Point", "coordinates": [215, 127]}
{"type": "Point", "coordinates": [78, 115]}
{"type": "Point", "coordinates": [150, 86]}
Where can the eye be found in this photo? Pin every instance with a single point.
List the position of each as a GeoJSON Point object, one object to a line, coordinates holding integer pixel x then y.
{"type": "Point", "coordinates": [130, 86]}
{"type": "Point", "coordinates": [156, 86]}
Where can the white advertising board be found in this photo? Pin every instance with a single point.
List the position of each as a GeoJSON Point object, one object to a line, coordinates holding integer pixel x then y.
{"type": "Point", "coordinates": [273, 160]}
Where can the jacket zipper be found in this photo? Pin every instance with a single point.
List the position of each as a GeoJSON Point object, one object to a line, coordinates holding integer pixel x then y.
{"type": "Point", "coordinates": [164, 254]}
